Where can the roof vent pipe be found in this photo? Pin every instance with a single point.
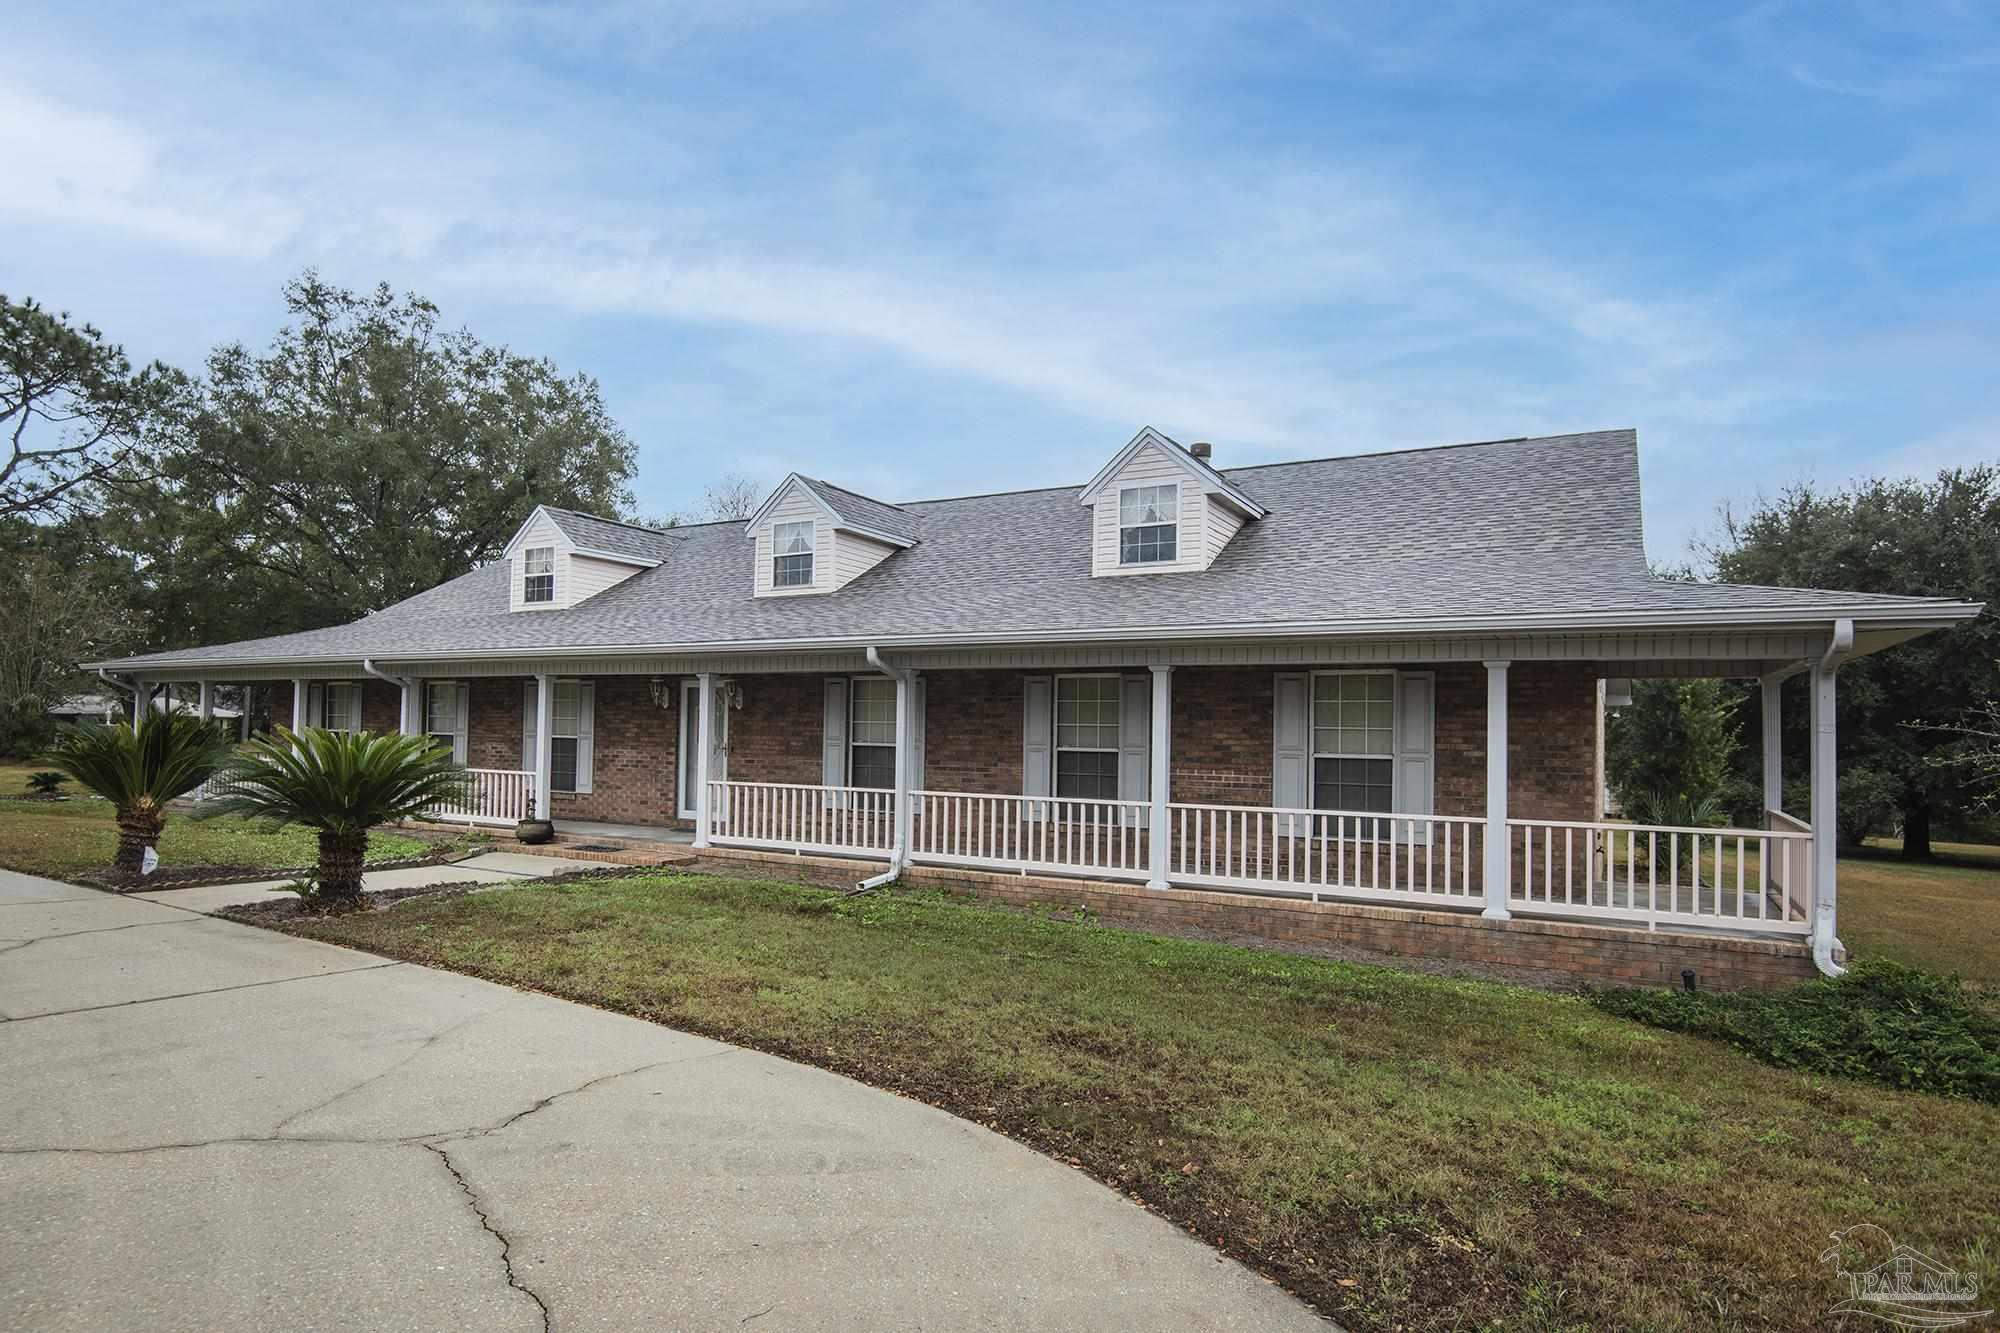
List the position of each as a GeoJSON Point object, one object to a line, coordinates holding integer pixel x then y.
{"type": "Point", "coordinates": [1201, 449]}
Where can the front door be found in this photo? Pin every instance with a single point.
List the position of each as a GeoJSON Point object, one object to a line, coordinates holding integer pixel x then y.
{"type": "Point", "coordinates": [690, 747]}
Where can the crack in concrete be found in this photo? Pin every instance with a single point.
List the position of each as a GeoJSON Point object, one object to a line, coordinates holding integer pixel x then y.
{"type": "Point", "coordinates": [216, 990]}
{"type": "Point", "coordinates": [100, 930]}
{"type": "Point", "coordinates": [506, 1243]}
{"type": "Point", "coordinates": [422, 1046]}
{"type": "Point", "coordinates": [480, 1132]}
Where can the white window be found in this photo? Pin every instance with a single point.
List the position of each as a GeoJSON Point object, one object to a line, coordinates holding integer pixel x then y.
{"type": "Point", "coordinates": [871, 732]}
{"type": "Point", "coordinates": [340, 706]}
{"type": "Point", "coordinates": [1148, 524]}
{"type": "Point", "coordinates": [1353, 741]}
{"type": "Point", "coordinates": [570, 759]}
{"type": "Point", "coordinates": [792, 555]}
{"type": "Point", "coordinates": [538, 574]}
{"type": "Point", "coordinates": [444, 716]}
{"type": "Point", "coordinates": [1087, 710]}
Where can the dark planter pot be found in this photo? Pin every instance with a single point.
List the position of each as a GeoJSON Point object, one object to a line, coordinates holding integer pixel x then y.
{"type": "Point", "coordinates": [535, 831]}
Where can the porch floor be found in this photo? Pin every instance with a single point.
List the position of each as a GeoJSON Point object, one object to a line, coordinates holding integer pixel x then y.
{"type": "Point", "coordinates": [590, 828]}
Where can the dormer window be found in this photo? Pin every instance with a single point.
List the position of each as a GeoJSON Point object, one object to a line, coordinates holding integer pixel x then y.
{"type": "Point", "coordinates": [792, 555]}
{"type": "Point", "coordinates": [1148, 524]}
{"type": "Point", "coordinates": [538, 574]}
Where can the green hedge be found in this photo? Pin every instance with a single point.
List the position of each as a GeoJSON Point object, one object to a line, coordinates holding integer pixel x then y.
{"type": "Point", "coordinates": [1883, 1021]}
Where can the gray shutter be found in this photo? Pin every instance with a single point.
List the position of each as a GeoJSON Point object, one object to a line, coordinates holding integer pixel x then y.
{"type": "Point", "coordinates": [917, 734]}
{"type": "Point", "coordinates": [1135, 741]}
{"type": "Point", "coordinates": [528, 727]}
{"type": "Point", "coordinates": [1291, 749]}
{"type": "Point", "coordinates": [461, 721]}
{"type": "Point", "coordinates": [1037, 733]}
{"type": "Point", "coordinates": [833, 735]}
{"type": "Point", "coordinates": [586, 708]}
{"type": "Point", "coordinates": [1414, 747]}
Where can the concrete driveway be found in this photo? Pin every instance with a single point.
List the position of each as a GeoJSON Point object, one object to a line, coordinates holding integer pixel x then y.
{"type": "Point", "coordinates": [208, 1126]}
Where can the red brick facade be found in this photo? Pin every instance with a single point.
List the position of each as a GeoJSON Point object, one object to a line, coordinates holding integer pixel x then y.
{"type": "Point", "coordinates": [1222, 737]}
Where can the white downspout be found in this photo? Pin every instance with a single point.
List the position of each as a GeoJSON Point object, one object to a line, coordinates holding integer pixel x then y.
{"type": "Point", "coordinates": [1825, 799]}
{"type": "Point", "coordinates": [899, 851]}
{"type": "Point", "coordinates": [400, 682]}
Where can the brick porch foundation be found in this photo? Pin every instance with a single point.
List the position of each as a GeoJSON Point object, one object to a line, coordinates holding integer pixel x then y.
{"type": "Point", "coordinates": [1604, 955]}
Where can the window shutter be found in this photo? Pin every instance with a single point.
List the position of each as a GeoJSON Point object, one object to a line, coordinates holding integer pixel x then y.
{"type": "Point", "coordinates": [586, 745]}
{"type": "Point", "coordinates": [1135, 741]}
{"type": "Point", "coordinates": [528, 727]}
{"type": "Point", "coordinates": [1291, 757]}
{"type": "Point", "coordinates": [917, 734]}
{"type": "Point", "coordinates": [833, 734]}
{"type": "Point", "coordinates": [1415, 749]}
{"type": "Point", "coordinates": [1037, 733]}
{"type": "Point", "coordinates": [461, 722]}
{"type": "Point", "coordinates": [315, 705]}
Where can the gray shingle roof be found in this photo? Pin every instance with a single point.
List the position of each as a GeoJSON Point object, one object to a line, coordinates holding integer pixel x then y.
{"type": "Point", "coordinates": [1504, 531]}
{"type": "Point", "coordinates": [860, 511]}
{"type": "Point", "coordinates": [602, 534]}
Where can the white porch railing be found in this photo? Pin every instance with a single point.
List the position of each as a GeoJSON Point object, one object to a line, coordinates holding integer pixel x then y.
{"type": "Point", "coordinates": [499, 796]}
{"type": "Point", "coordinates": [1059, 835]}
{"type": "Point", "coordinates": [1659, 875]}
{"type": "Point", "coordinates": [1430, 859]}
{"type": "Point", "coordinates": [796, 817]}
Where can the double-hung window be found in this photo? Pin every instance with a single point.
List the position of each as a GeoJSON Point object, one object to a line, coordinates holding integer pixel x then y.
{"type": "Point", "coordinates": [570, 745]}
{"type": "Point", "coordinates": [1353, 741]}
{"type": "Point", "coordinates": [340, 706]}
{"type": "Point", "coordinates": [871, 732]}
{"type": "Point", "coordinates": [538, 574]}
{"type": "Point", "coordinates": [1087, 737]}
{"type": "Point", "coordinates": [792, 555]}
{"type": "Point", "coordinates": [444, 716]}
{"type": "Point", "coordinates": [1148, 524]}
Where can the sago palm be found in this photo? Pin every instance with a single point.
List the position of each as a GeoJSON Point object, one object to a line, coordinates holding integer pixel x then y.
{"type": "Point", "coordinates": [139, 769]}
{"type": "Point", "coordinates": [341, 784]}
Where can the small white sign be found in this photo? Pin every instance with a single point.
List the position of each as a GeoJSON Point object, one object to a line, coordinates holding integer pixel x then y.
{"type": "Point", "coordinates": [150, 862]}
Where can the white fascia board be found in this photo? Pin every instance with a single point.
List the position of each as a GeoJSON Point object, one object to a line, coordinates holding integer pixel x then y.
{"type": "Point", "coordinates": [792, 479]}
{"type": "Point", "coordinates": [1915, 618]}
{"type": "Point", "coordinates": [1204, 476]}
{"type": "Point", "coordinates": [562, 538]}
{"type": "Point", "coordinates": [875, 535]}
{"type": "Point", "coordinates": [638, 561]}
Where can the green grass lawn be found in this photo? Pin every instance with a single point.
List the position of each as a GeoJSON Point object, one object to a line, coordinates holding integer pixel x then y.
{"type": "Point", "coordinates": [61, 839]}
{"type": "Point", "coordinates": [1405, 1150]}
{"type": "Point", "coordinates": [1943, 914]}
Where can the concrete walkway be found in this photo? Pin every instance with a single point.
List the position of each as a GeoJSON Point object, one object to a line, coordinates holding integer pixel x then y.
{"type": "Point", "coordinates": [208, 1126]}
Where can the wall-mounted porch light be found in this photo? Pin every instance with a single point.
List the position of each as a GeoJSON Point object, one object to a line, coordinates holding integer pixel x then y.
{"type": "Point", "coordinates": [663, 692]}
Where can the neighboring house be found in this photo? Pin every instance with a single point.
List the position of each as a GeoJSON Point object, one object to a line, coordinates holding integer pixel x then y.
{"type": "Point", "coordinates": [1369, 679]}
{"type": "Point", "coordinates": [111, 708]}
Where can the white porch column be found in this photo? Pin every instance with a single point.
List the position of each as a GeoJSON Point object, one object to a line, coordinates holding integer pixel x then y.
{"type": "Point", "coordinates": [1825, 814]}
{"type": "Point", "coordinates": [1499, 843]}
{"type": "Point", "coordinates": [243, 712]}
{"type": "Point", "coordinates": [1774, 742]}
{"type": "Point", "coordinates": [545, 743]}
{"type": "Point", "coordinates": [298, 704]}
{"type": "Point", "coordinates": [1160, 784]}
{"type": "Point", "coordinates": [906, 695]}
{"type": "Point", "coordinates": [204, 700]}
{"type": "Point", "coordinates": [705, 692]}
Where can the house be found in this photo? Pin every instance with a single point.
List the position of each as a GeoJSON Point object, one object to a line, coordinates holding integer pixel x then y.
{"type": "Point", "coordinates": [1353, 699]}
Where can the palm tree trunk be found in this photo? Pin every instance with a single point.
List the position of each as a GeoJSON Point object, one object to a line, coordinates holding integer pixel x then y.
{"type": "Point", "coordinates": [138, 828]}
{"type": "Point", "coordinates": [340, 858]}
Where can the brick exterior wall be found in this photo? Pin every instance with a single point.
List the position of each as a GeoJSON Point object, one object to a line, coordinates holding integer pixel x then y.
{"type": "Point", "coordinates": [1222, 737]}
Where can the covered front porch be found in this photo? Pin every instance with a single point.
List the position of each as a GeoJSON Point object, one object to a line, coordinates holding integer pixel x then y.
{"type": "Point", "coordinates": [1461, 776]}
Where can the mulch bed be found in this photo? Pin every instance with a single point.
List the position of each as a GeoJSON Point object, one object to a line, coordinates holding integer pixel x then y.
{"type": "Point", "coordinates": [196, 877]}
{"type": "Point", "coordinates": [275, 912]}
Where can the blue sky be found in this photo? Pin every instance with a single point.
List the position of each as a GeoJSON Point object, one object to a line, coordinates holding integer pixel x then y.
{"type": "Point", "coordinates": [932, 250]}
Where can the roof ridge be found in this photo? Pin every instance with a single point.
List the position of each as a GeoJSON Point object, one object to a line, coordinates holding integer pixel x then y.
{"type": "Point", "coordinates": [615, 522]}
{"type": "Point", "coordinates": [849, 490]}
{"type": "Point", "coordinates": [1287, 462]}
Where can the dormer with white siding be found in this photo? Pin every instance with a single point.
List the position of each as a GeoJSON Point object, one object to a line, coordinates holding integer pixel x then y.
{"type": "Point", "coordinates": [1157, 508]}
{"type": "Point", "coordinates": [559, 558]}
{"type": "Point", "coordinates": [813, 537]}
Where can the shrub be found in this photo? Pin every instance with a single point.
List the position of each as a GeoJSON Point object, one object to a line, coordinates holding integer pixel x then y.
{"type": "Point", "coordinates": [1883, 1021]}
{"type": "Point", "coordinates": [47, 782]}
